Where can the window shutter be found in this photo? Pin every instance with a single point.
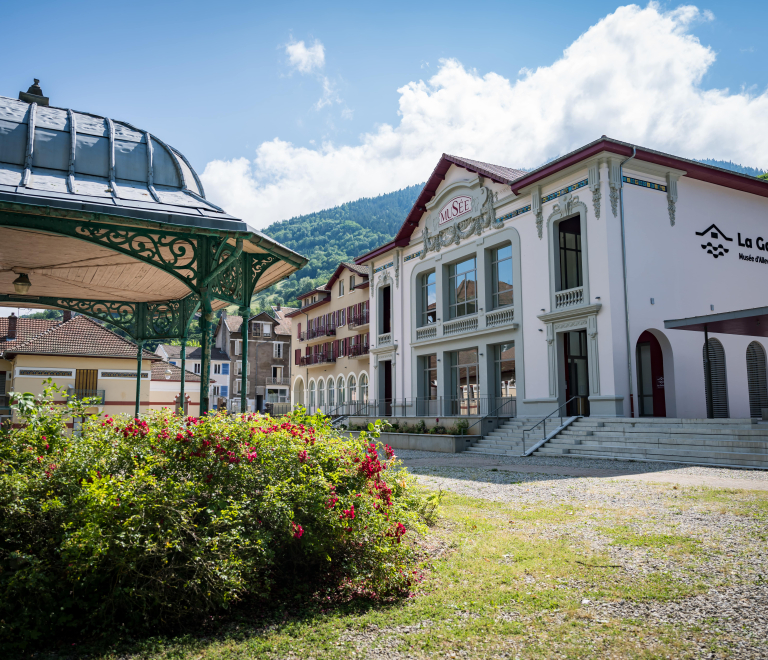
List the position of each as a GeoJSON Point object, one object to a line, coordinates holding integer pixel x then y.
{"type": "Point", "coordinates": [225, 391]}
{"type": "Point", "coordinates": [225, 369]}
{"type": "Point", "coordinates": [719, 384]}
{"type": "Point", "coordinates": [367, 338]}
{"type": "Point", "coordinates": [756, 380]}
{"type": "Point", "coordinates": [297, 356]}
{"type": "Point", "coordinates": [350, 312]}
{"type": "Point", "coordinates": [298, 331]}
{"type": "Point", "coordinates": [346, 345]}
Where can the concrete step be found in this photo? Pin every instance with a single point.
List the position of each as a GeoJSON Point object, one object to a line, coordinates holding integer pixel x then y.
{"type": "Point", "coordinates": [683, 443]}
{"type": "Point", "coordinates": [661, 454]}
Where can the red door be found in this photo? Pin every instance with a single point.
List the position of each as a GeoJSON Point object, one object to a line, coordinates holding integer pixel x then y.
{"type": "Point", "coordinates": [650, 377]}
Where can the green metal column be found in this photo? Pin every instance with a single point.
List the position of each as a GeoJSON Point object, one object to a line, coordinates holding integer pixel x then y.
{"type": "Point", "coordinates": [245, 314]}
{"type": "Point", "coordinates": [139, 355]}
{"type": "Point", "coordinates": [183, 371]}
{"type": "Point", "coordinates": [205, 363]}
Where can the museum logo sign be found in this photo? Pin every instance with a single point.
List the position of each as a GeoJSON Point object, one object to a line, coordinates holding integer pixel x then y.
{"type": "Point", "coordinates": [715, 247]}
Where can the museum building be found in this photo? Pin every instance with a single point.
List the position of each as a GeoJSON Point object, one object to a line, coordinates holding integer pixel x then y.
{"type": "Point", "coordinates": [512, 293]}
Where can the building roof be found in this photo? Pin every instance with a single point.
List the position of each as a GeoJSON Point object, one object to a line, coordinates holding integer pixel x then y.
{"type": "Point", "coordinates": [320, 289]}
{"type": "Point", "coordinates": [80, 336]}
{"type": "Point", "coordinates": [234, 323]}
{"type": "Point", "coordinates": [518, 180]}
{"type": "Point", "coordinates": [354, 268]}
{"type": "Point", "coordinates": [284, 323]}
{"type": "Point", "coordinates": [749, 322]}
{"type": "Point", "coordinates": [194, 353]}
{"type": "Point", "coordinates": [159, 369]}
{"type": "Point", "coordinates": [25, 329]}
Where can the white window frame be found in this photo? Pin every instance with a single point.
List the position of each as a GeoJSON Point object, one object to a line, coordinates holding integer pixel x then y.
{"type": "Point", "coordinates": [239, 368]}
{"type": "Point", "coordinates": [278, 350]}
{"type": "Point", "coordinates": [341, 288]}
{"type": "Point", "coordinates": [238, 346]}
{"type": "Point", "coordinates": [196, 368]}
{"type": "Point", "coordinates": [217, 369]}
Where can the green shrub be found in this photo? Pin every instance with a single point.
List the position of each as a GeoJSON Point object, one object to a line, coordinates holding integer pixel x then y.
{"type": "Point", "coordinates": [148, 524]}
{"type": "Point", "coordinates": [421, 427]}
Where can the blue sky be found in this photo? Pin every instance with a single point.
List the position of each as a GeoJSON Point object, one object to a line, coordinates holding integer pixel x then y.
{"type": "Point", "coordinates": [217, 81]}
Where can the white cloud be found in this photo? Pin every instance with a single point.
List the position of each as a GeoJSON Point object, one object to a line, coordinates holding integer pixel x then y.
{"type": "Point", "coordinates": [635, 75]}
{"type": "Point", "coordinates": [303, 59]}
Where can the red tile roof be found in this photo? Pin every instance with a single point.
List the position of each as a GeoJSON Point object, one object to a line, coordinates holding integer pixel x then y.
{"type": "Point", "coordinates": [159, 369]}
{"type": "Point", "coordinates": [25, 329]}
{"type": "Point", "coordinates": [79, 336]}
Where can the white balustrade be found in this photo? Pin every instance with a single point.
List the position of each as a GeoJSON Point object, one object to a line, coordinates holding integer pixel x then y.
{"type": "Point", "coordinates": [569, 297]}
{"type": "Point", "coordinates": [385, 340]}
{"type": "Point", "coordinates": [499, 317]}
{"type": "Point", "coordinates": [460, 326]}
{"type": "Point", "coordinates": [427, 332]}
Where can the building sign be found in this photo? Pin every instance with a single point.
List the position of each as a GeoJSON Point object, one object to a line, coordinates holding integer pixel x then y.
{"type": "Point", "coordinates": [457, 207]}
{"type": "Point", "coordinates": [714, 235]}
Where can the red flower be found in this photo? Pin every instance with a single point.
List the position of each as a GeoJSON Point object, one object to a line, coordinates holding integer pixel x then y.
{"type": "Point", "coordinates": [298, 531]}
{"type": "Point", "coordinates": [302, 456]}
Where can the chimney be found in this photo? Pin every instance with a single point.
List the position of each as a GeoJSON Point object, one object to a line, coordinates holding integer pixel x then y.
{"type": "Point", "coordinates": [12, 319]}
{"type": "Point", "coordinates": [278, 307]}
{"type": "Point", "coordinates": [67, 315]}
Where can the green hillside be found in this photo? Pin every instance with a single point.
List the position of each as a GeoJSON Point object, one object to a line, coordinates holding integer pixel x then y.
{"type": "Point", "coordinates": [338, 234]}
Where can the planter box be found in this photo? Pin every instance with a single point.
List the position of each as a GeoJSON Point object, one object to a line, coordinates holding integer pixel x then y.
{"type": "Point", "coordinates": [446, 444]}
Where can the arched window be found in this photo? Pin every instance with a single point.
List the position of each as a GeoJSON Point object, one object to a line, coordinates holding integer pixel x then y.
{"type": "Point", "coordinates": [342, 391]}
{"type": "Point", "coordinates": [312, 398]}
{"type": "Point", "coordinates": [320, 394]}
{"type": "Point", "coordinates": [719, 384]}
{"type": "Point", "coordinates": [363, 388]}
{"type": "Point", "coordinates": [352, 389]}
{"type": "Point", "coordinates": [758, 388]}
{"type": "Point", "coordinates": [331, 394]}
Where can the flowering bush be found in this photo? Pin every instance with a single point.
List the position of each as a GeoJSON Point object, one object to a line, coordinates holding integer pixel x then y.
{"type": "Point", "coordinates": [148, 523]}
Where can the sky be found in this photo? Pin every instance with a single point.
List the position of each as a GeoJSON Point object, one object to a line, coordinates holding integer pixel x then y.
{"type": "Point", "coordinates": [292, 107]}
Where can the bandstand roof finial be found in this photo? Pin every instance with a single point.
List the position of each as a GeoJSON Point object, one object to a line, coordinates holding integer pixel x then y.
{"type": "Point", "coordinates": [34, 94]}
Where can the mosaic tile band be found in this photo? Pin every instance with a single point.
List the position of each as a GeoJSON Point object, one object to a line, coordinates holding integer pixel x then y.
{"type": "Point", "coordinates": [412, 256]}
{"type": "Point", "coordinates": [562, 191]}
{"type": "Point", "coordinates": [380, 268]}
{"type": "Point", "coordinates": [66, 373]}
{"type": "Point", "coordinates": [645, 184]}
{"type": "Point", "coordinates": [514, 214]}
{"type": "Point", "coordinates": [123, 374]}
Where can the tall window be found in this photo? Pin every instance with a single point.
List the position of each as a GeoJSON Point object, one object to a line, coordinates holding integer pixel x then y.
{"type": "Point", "coordinates": [501, 270]}
{"type": "Point", "coordinates": [320, 394]}
{"type": "Point", "coordinates": [363, 387]}
{"type": "Point", "coordinates": [570, 254]}
{"type": "Point", "coordinates": [756, 380]}
{"type": "Point", "coordinates": [352, 389]}
{"type": "Point", "coordinates": [351, 282]}
{"type": "Point", "coordinates": [428, 298]}
{"type": "Point", "coordinates": [462, 283]}
{"type": "Point", "coordinates": [217, 369]}
{"type": "Point", "coordinates": [312, 398]}
{"type": "Point", "coordinates": [197, 367]}
{"type": "Point", "coordinates": [341, 288]}
{"type": "Point", "coordinates": [256, 329]}
{"type": "Point", "coordinates": [342, 392]}
{"type": "Point", "coordinates": [506, 381]}
{"type": "Point", "coordinates": [465, 382]}
{"type": "Point", "coordinates": [277, 349]}
{"type": "Point", "coordinates": [331, 393]}
{"type": "Point", "coordinates": [429, 374]}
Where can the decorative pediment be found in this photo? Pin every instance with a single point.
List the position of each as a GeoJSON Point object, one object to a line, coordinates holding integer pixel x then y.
{"type": "Point", "coordinates": [566, 205]}
{"type": "Point", "coordinates": [462, 217]}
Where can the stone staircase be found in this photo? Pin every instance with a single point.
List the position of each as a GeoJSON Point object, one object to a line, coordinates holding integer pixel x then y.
{"type": "Point", "coordinates": [507, 440]}
{"type": "Point", "coordinates": [731, 442]}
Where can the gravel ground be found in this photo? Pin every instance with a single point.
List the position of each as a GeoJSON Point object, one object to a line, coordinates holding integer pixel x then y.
{"type": "Point", "coordinates": [634, 467]}
{"type": "Point", "coordinates": [729, 620]}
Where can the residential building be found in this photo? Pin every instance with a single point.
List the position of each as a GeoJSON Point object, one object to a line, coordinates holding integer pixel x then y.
{"type": "Point", "coordinates": [331, 330]}
{"type": "Point", "coordinates": [86, 359]}
{"type": "Point", "coordinates": [165, 388]}
{"type": "Point", "coordinates": [269, 349]}
{"type": "Point", "coordinates": [220, 369]}
{"type": "Point", "coordinates": [512, 292]}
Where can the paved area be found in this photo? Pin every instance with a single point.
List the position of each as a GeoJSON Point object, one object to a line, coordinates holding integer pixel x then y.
{"type": "Point", "coordinates": [669, 473]}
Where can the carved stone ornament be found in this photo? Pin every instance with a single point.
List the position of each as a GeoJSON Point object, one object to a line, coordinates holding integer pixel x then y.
{"type": "Point", "coordinates": [566, 205]}
{"type": "Point", "coordinates": [594, 186]}
{"type": "Point", "coordinates": [671, 196]}
{"type": "Point", "coordinates": [483, 217]}
{"type": "Point", "coordinates": [397, 268]}
{"type": "Point", "coordinates": [537, 210]}
{"type": "Point", "coordinates": [614, 180]}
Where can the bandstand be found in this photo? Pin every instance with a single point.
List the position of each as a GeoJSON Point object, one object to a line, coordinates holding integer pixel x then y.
{"type": "Point", "coordinates": [104, 219]}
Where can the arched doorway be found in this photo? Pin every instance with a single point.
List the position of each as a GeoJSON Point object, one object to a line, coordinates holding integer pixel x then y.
{"type": "Point", "coordinates": [719, 385]}
{"type": "Point", "coordinates": [651, 394]}
{"type": "Point", "coordinates": [756, 379]}
{"type": "Point", "coordinates": [298, 392]}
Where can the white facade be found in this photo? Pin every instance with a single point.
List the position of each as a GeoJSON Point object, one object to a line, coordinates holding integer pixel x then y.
{"type": "Point", "coordinates": [573, 341]}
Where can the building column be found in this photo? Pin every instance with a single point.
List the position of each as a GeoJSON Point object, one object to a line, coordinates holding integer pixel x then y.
{"type": "Point", "coordinates": [244, 313]}
{"type": "Point", "coordinates": [139, 355]}
{"type": "Point", "coordinates": [183, 371]}
{"type": "Point", "coordinates": [205, 364]}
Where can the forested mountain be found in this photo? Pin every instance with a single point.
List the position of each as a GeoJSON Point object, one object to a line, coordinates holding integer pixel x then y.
{"type": "Point", "coordinates": [338, 234]}
{"type": "Point", "coordinates": [734, 167]}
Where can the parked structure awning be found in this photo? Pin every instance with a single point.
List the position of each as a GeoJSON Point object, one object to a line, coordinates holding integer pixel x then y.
{"type": "Point", "coordinates": [750, 322]}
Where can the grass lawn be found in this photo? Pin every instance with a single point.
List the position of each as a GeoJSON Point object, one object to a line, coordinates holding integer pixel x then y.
{"type": "Point", "coordinates": [521, 579]}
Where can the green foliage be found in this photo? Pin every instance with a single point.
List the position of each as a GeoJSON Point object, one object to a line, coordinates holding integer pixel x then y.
{"type": "Point", "coordinates": [150, 524]}
{"type": "Point", "coordinates": [53, 314]}
{"type": "Point", "coordinates": [763, 176]}
{"type": "Point", "coordinates": [735, 167]}
{"type": "Point", "coordinates": [335, 235]}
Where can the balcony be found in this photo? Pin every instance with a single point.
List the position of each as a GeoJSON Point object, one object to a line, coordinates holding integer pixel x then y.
{"type": "Point", "coordinates": [460, 326]}
{"type": "Point", "coordinates": [318, 333]}
{"type": "Point", "coordinates": [359, 350]}
{"type": "Point", "coordinates": [427, 332]}
{"type": "Point", "coordinates": [359, 321]}
{"type": "Point", "coordinates": [501, 316]}
{"type": "Point", "coordinates": [271, 380]}
{"type": "Point", "coordinates": [385, 340]}
{"type": "Point", "coordinates": [497, 319]}
{"type": "Point", "coordinates": [317, 359]}
{"type": "Point", "coordinates": [569, 297]}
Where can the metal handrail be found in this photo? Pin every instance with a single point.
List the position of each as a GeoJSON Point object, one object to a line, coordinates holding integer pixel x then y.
{"type": "Point", "coordinates": [490, 414]}
{"type": "Point", "coordinates": [544, 421]}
